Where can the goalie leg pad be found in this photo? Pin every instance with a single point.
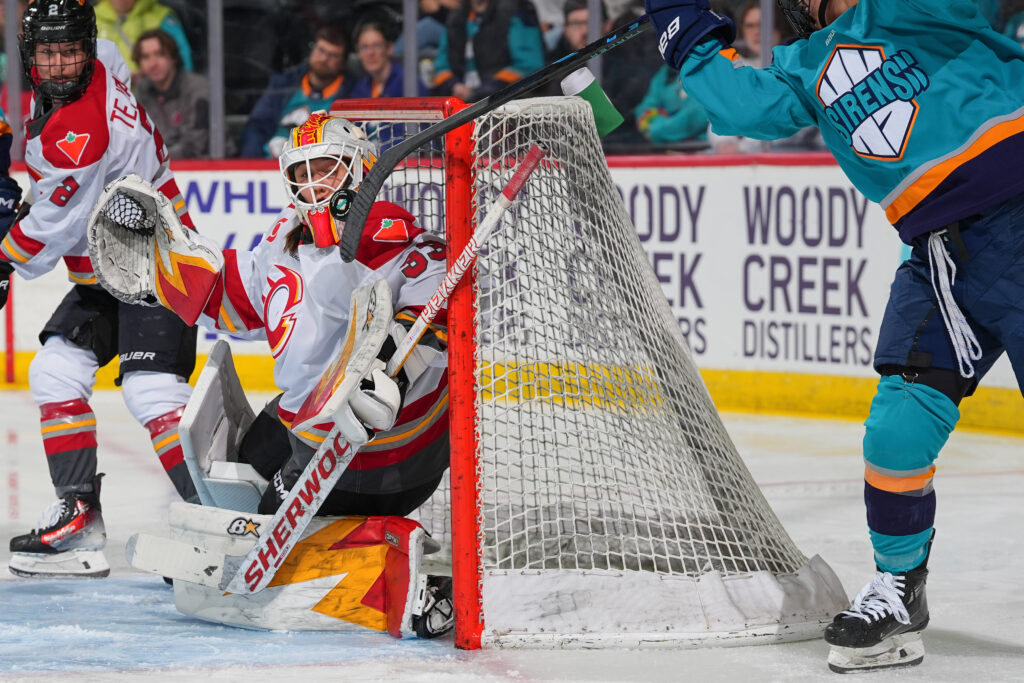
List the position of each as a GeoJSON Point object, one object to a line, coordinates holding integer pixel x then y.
{"type": "Point", "coordinates": [211, 429]}
{"type": "Point", "coordinates": [347, 573]}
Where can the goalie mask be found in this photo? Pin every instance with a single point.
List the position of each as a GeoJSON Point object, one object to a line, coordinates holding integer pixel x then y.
{"type": "Point", "coordinates": [798, 13]}
{"type": "Point", "coordinates": [58, 47]}
{"type": "Point", "coordinates": [323, 161]}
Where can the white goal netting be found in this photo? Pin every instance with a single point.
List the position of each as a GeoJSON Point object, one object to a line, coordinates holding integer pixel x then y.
{"type": "Point", "coordinates": [612, 505]}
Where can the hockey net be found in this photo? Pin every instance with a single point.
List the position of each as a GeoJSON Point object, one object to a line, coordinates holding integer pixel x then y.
{"type": "Point", "coordinates": [597, 498]}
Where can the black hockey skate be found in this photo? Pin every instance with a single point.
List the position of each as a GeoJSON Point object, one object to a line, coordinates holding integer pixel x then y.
{"type": "Point", "coordinates": [436, 614]}
{"type": "Point", "coordinates": [68, 541]}
{"type": "Point", "coordinates": [882, 628]}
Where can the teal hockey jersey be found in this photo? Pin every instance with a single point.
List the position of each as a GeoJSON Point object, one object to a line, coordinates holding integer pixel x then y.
{"type": "Point", "coordinates": [920, 101]}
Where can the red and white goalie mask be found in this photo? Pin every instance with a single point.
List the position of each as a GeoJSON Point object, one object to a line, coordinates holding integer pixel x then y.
{"type": "Point", "coordinates": [322, 156]}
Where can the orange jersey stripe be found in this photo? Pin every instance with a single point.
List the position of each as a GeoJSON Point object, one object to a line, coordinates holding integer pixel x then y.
{"type": "Point", "coordinates": [898, 484]}
{"type": "Point", "coordinates": [933, 177]}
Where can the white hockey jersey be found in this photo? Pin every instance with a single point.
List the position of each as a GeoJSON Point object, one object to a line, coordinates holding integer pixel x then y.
{"type": "Point", "coordinates": [300, 305]}
{"type": "Point", "coordinates": [72, 152]}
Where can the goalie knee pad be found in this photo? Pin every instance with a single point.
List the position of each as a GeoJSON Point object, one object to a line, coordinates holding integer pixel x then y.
{"type": "Point", "coordinates": [908, 426]}
{"type": "Point", "coordinates": [62, 372]}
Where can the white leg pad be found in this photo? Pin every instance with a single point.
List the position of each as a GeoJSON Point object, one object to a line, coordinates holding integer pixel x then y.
{"type": "Point", "coordinates": [215, 419]}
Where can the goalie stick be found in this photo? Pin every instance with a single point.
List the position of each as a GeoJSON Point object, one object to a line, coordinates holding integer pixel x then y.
{"type": "Point", "coordinates": [369, 188]}
{"type": "Point", "coordinates": [253, 572]}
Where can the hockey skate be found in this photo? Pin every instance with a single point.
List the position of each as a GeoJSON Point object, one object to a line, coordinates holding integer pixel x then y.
{"type": "Point", "coordinates": [436, 614]}
{"type": "Point", "coordinates": [67, 543]}
{"type": "Point", "coordinates": [882, 628]}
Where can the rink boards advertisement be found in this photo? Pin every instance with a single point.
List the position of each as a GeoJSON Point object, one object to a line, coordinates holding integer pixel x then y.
{"type": "Point", "coordinates": [770, 264]}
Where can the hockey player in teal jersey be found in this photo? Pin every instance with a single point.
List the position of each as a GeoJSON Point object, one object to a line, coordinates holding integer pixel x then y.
{"type": "Point", "coordinates": [921, 104]}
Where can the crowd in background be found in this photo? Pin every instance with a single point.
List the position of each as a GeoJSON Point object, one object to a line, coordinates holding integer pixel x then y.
{"type": "Point", "coordinates": [286, 58]}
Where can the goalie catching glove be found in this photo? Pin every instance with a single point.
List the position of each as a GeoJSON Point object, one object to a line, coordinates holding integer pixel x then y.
{"type": "Point", "coordinates": [142, 254]}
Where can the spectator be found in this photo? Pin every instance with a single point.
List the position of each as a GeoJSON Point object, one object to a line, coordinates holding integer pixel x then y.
{"type": "Point", "coordinates": [433, 18]}
{"type": "Point", "coordinates": [1012, 20]}
{"type": "Point", "coordinates": [573, 35]}
{"type": "Point", "coordinates": [123, 21]}
{"type": "Point", "coordinates": [294, 94]}
{"type": "Point", "coordinates": [748, 42]}
{"type": "Point", "coordinates": [667, 114]}
{"type": "Point", "coordinates": [176, 100]}
{"type": "Point", "coordinates": [748, 45]}
{"type": "Point", "coordinates": [375, 49]}
{"type": "Point", "coordinates": [26, 91]}
{"type": "Point", "coordinates": [3, 47]}
{"type": "Point", "coordinates": [627, 72]}
{"type": "Point", "coordinates": [429, 32]}
{"type": "Point", "coordinates": [487, 44]}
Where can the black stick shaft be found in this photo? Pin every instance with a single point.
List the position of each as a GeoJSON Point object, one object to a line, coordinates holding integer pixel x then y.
{"type": "Point", "coordinates": [374, 181]}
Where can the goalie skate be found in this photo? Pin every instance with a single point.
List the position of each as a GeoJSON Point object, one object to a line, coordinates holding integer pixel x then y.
{"type": "Point", "coordinates": [434, 614]}
{"type": "Point", "coordinates": [68, 541]}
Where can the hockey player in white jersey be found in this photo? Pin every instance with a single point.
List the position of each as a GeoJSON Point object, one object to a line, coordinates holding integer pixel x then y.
{"type": "Point", "coordinates": [87, 129]}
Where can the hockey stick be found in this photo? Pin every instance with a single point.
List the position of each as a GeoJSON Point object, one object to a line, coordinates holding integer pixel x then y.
{"type": "Point", "coordinates": [252, 573]}
{"type": "Point", "coordinates": [386, 163]}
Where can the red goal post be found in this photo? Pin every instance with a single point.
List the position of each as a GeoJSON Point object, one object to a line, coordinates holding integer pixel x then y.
{"type": "Point", "coordinates": [406, 116]}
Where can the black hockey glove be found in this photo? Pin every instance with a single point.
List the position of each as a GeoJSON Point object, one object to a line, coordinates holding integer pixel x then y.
{"type": "Point", "coordinates": [10, 199]}
{"type": "Point", "coordinates": [5, 282]}
{"type": "Point", "coordinates": [681, 24]}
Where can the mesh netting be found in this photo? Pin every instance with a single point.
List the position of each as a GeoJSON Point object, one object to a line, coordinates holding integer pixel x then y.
{"type": "Point", "coordinates": [126, 211]}
{"type": "Point", "coordinates": [599, 445]}
{"type": "Point", "coordinates": [599, 449]}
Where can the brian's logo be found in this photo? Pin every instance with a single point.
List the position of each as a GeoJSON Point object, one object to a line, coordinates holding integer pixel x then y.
{"type": "Point", "coordinates": [869, 98]}
{"type": "Point", "coordinates": [73, 145]}
{"type": "Point", "coordinates": [243, 526]}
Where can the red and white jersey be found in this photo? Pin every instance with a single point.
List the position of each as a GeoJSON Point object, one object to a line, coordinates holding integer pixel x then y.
{"type": "Point", "coordinates": [300, 305]}
{"type": "Point", "coordinates": [73, 151]}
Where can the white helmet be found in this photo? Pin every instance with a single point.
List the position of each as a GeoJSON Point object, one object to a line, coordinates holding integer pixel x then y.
{"type": "Point", "coordinates": [323, 136]}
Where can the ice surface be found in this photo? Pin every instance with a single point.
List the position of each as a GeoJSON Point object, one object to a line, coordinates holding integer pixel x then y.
{"type": "Point", "coordinates": [125, 628]}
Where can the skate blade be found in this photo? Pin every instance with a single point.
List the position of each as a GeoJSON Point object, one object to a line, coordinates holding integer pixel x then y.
{"type": "Point", "coordinates": [905, 649]}
{"type": "Point", "coordinates": [72, 564]}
